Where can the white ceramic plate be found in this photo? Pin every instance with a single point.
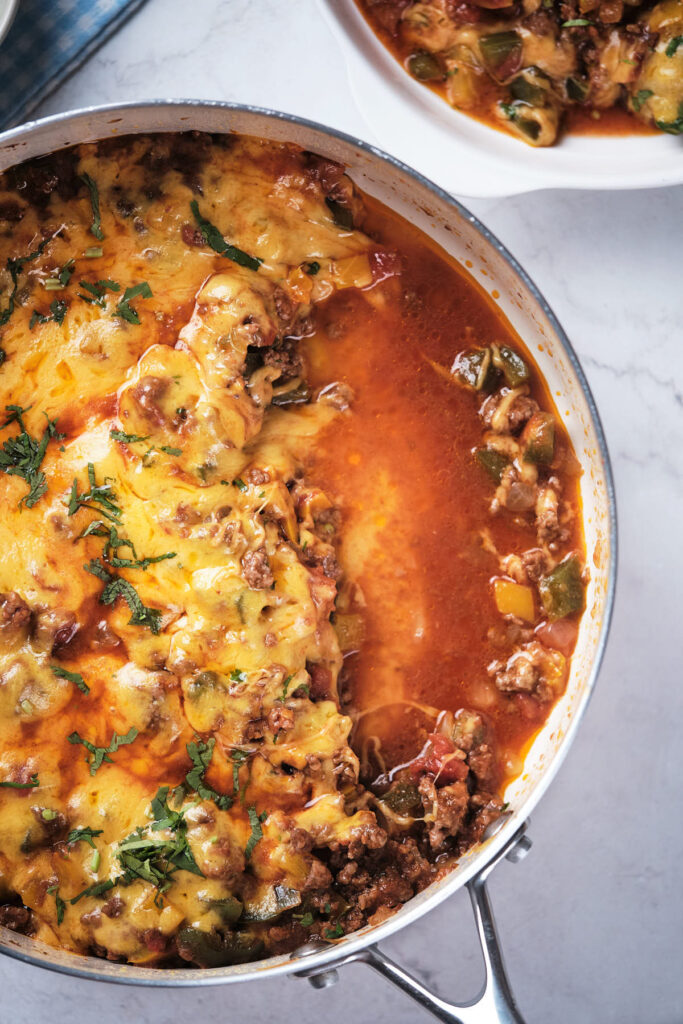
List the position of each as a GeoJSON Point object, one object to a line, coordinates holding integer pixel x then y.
{"type": "Point", "coordinates": [469, 159]}
{"type": "Point", "coordinates": [8, 8]}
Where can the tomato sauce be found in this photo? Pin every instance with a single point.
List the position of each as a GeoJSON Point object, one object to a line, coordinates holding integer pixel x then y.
{"type": "Point", "coordinates": [402, 465]}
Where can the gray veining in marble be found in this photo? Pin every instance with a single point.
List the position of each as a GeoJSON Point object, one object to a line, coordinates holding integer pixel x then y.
{"type": "Point", "coordinates": [591, 921]}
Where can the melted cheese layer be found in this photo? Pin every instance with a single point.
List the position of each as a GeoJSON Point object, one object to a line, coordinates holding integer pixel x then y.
{"type": "Point", "coordinates": [213, 496]}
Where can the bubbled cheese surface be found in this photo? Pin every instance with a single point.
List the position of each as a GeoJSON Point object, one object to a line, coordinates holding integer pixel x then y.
{"type": "Point", "coordinates": [208, 487]}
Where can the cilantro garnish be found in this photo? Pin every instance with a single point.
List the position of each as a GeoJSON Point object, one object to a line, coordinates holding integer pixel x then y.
{"type": "Point", "coordinates": [334, 933]}
{"type": "Point", "coordinates": [100, 755]}
{"type": "Point", "coordinates": [116, 587]}
{"type": "Point", "coordinates": [21, 785]}
{"type": "Point", "coordinates": [96, 226]}
{"type": "Point", "coordinates": [121, 435]}
{"type": "Point", "coordinates": [14, 265]}
{"type": "Point", "coordinates": [114, 542]}
{"type": "Point", "coordinates": [58, 309]}
{"type": "Point", "coordinates": [255, 820]}
{"type": "Point", "coordinates": [94, 890]}
{"type": "Point", "coordinates": [239, 484]}
{"type": "Point", "coordinates": [238, 759]}
{"type": "Point", "coordinates": [673, 127]}
{"type": "Point", "coordinates": [100, 498]}
{"type": "Point", "coordinates": [124, 308]}
{"type": "Point", "coordinates": [86, 835]}
{"type": "Point", "coordinates": [640, 97]}
{"type": "Point", "coordinates": [74, 677]}
{"type": "Point", "coordinates": [673, 46]}
{"type": "Point", "coordinates": [156, 860]}
{"type": "Point", "coordinates": [200, 754]}
{"type": "Point", "coordinates": [22, 454]}
{"type": "Point", "coordinates": [215, 240]}
{"type": "Point", "coordinates": [96, 291]}
{"type": "Point", "coordinates": [59, 902]}
{"type": "Point", "coordinates": [285, 687]}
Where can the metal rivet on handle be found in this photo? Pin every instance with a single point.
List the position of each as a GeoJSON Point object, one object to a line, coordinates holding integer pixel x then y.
{"type": "Point", "coordinates": [324, 980]}
{"type": "Point", "coordinates": [519, 850]}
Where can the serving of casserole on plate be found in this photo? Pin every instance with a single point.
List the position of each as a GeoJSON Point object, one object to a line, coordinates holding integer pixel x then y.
{"type": "Point", "coordinates": [293, 552]}
{"type": "Point", "coordinates": [494, 98]}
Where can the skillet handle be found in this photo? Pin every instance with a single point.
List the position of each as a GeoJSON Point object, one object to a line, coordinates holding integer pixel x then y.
{"type": "Point", "coordinates": [495, 1004]}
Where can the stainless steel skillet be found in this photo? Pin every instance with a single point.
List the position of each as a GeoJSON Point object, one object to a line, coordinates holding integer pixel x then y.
{"type": "Point", "coordinates": [473, 246]}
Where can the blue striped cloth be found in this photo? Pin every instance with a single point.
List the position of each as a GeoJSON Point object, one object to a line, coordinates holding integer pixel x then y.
{"type": "Point", "coordinates": [47, 42]}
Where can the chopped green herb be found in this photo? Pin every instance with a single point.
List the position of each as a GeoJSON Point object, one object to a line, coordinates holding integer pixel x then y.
{"type": "Point", "coordinates": [238, 676]}
{"type": "Point", "coordinates": [96, 291]}
{"type": "Point", "coordinates": [576, 23]}
{"type": "Point", "coordinates": [95, 861]}
{"type": "Point", "coordinates": [97, 889]}
{"type": "Point", "coordinates": [14, 265]}
{"type": "Point", "coordinates": [58, 309]}
{"type": "Point", "coordinates": [215, 240]}
{"type": "Point", "coordinates": [156, 860]}
{"type": "Point", "coordinates": [200, 754]}
{"type": "Point", "coordinates": [285, 687]}
{"type": "Point", "coordinates": [86, 835]}
{"type": "Point", "coordinates": [640, 97]}
{"type": "Point", "coordinates": [116, 587]}
{"type": "Point", "coordinates": [74, 677]}
{"type": "Point", "coordinates": [673, 46]}
{"type": "Point", "coordinates": [93, 252]}
{"type": "Point", "coordinates": [239, 483]}
{"type": "Point", "coordinates": [334, 933]}
{"type": "Point", "coordinates": [255, 820]}
{"type": "Point", "coordinates": [59, 902]}
{"type": "Point", "coordinates": [673, 127]}
{"type": "Point", "coordinates": [100, 498]}
{"type": "Point", "coordinates": [100, 755]}
{"type": "Point", "coordinates": [312, 268]}
{"type": "Point", "coordinates": [121, 435]}
{"type": "Point", "coordinates": [124, 308]}
{"type": "Point", "coordinates": [22, 454]}
{"type": "Point", "coordinates": [21, 785]}
{"type": "Point", "coordinates": [307, 920]}
{"type": "Point", "coordinates": [64, 275]}
{"type": "Point", "coordinates": [238, 759]}
{"type": "Point", "coordinates": [170, 451]}
{"type": "Point", "coordinates": [96, 226]}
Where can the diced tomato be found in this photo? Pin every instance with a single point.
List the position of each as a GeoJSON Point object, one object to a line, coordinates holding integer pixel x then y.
{"type": "Point", "coordinates": [439, 759]}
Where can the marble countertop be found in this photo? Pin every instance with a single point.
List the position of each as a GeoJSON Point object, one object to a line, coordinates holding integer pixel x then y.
{"type": "Point", "coordinates": [591, 921]}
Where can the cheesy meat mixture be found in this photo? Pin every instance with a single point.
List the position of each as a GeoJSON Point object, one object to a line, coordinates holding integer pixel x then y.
{"type": "Point", "coordinates": [177, 591]}
{"type": "Point", "coordinates": [170, 731]}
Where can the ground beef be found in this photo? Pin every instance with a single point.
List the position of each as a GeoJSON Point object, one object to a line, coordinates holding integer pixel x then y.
{"type": "Point", "coordinates": [326, 561]}
{"type": "Point", "coordinates": [257, 477]}
{"type": "Point", "coordinates": [256, 569]}
{"type": "Point", "coordinates": [448, 805]}
{"type": "Point", "coordinates": [37, 180]}
{"type": "Point", "coordinates": [318, 877]}
{"type": "Point", "coordinates": [192, 236]}
{"type": "Point", "coordinates": [54, 628]}
{"type": "Point", "coordinates": [147, 394]}
{"type": "Point", "coordinates": [113, 907]}
{"type": "Point", "coordinates": [285, 356]}
{"type": "Point", "coordinates": [534, 563]}
{"type": "Point", "coordinates": [18, 919]}
{"type": "Point", "coordinates": [15, 614]}
{"type": "Point", "coordinates": [280, 718]}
